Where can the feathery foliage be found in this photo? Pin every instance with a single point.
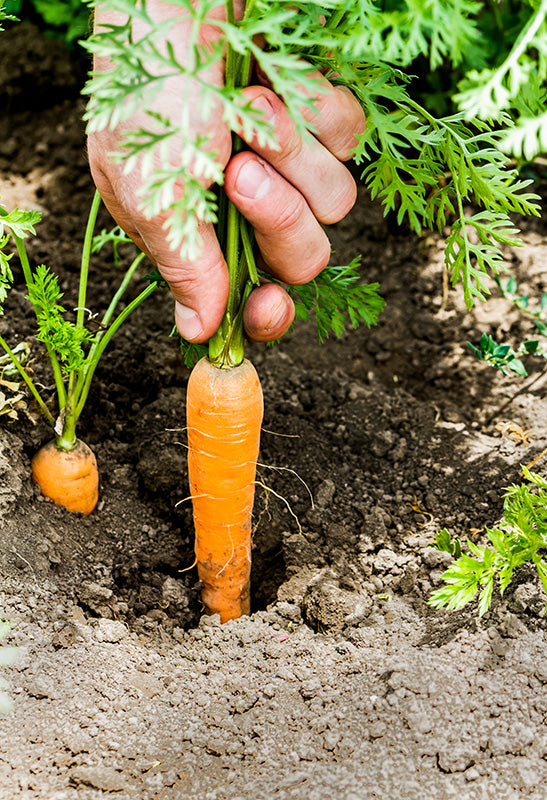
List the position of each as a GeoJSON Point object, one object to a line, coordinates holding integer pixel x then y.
{"type": "Point", "coordinates": [335, 298]}
{"type": "Point", "coordinates": [520, 538]}
{"type": "Point", "coordinates": [428, 169]}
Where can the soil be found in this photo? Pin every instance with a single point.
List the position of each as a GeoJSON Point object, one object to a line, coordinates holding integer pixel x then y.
{"type": "Point", "coordinates": [343, 682]}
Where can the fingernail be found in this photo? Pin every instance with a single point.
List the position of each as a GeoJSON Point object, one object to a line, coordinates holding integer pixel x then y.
{"type": "Point", "coordinates": [188, 322]}
{"type": "Point", "coordinates": [253, 181]}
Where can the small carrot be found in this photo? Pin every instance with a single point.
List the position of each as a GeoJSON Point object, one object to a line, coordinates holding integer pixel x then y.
{"type": "Point", "coordinates": [224, 417]}
{"type": "Point", "coordinates": [68, 477]}
{"type": "Point", "coordinates": [65, 469]}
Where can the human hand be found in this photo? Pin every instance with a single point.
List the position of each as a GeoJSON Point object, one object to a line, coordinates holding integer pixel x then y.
{"type": "Point", "coordinates": [286, 194]}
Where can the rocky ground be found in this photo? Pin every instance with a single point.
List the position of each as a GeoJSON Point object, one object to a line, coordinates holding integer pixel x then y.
{"type": "Point", "coordinates": [343, 682]}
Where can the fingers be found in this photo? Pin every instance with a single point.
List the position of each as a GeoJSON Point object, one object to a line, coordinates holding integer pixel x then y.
{"type": "Point", "coordinates": [291, 241]}
{"type": "Point", "coordinates": [307, 163]}
{"type": "Point", "coordinates": [337, 118]}
{"type": "Point", "coordinates": [289, 192]}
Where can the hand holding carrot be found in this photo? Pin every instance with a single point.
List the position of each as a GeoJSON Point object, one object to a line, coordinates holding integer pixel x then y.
{"type": "Point", "coordinates": [286, 194]}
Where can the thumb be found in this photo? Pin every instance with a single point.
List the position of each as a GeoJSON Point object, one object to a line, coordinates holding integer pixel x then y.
{"type": "Point", "coordinates": [200, 288]}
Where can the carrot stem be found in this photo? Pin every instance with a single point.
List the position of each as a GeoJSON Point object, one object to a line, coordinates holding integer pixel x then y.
{"type": "Point", "coordinates": [226, 346]}
{"type": "Point", "coordinates": [66, 440]}
{"type": "Point", "coordinates": [123, 286]}
{"type": "Point", "coordinates": [104, 323]}
{"type": "Point", "coordinates": [86, 253]}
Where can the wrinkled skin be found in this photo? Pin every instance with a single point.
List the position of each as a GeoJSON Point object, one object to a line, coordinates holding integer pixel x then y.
{"type": "Point", "coordinates": [286, 194]}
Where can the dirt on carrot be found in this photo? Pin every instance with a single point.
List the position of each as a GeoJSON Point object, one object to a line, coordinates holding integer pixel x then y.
{"type": "Point", "coordinates": [224, 417]}
{"type": "Point", "coordinates": [68, 477]}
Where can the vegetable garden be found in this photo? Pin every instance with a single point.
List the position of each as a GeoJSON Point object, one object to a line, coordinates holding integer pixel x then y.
{"type": "Point", "coordinates": [344, 675]}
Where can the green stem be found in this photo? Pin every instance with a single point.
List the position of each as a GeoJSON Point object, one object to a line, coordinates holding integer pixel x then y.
{"type": "Point", "coordinates": [86, 253]}
{"type": "Point", "coordinates": [123, 286]}
{"type": "Point", "coordinates": [66, 440]}
{"type": "Point", "coordinates": [335, 19]}
{"type": "Point", "coordinates": [102, 344]}
{"type": "Point", "coordinates": [226, 346]}
{"type": "Point", "coordinates": [29, 382]}
{"type": "Point", "coordinates": [104, 323]}
{"type": "Point", "coordinates": [29, 280]}
{"type": "Point", "coordinates": [231, 56]}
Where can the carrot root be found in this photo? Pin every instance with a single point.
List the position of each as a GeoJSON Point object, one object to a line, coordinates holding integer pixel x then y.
{"type": "Point", "coordinates": [224, 417]}
{"type": "Point", "coordinates": [68, 477]}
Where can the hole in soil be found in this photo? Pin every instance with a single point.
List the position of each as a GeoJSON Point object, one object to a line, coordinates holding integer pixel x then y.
{"type": "Point", "coordinates": [268, 573]}
{"type": "Point", "coordinates": [156, 588]}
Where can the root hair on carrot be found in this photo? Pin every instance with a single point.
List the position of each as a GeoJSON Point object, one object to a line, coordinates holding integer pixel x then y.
{"type": "Point", "coordinates": [185, 499]}
{"type": "Point", "coordinates": [284, 499]}
{"type": "Point", "coordinates": [293, 472]}
{"type": "Point", "coordinates": [187, 569]}
{"type": "Point", "coordinates": [232, 554]}
{"type": "Point", "coordinates": [284, 435]}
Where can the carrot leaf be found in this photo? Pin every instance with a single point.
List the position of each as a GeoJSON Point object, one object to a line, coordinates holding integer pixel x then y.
{"type": "Point", "coordinates": [66, 338]}
{"type": "Point", "coordinates": [192, 352]}
{"type": "Point", "coordinates": [15, 223]}
{"type": "Point", "coordinates": [336, 299]}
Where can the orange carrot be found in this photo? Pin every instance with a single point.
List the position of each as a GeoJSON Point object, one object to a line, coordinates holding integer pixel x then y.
{"type": "Point", "coordinates": [68, 477]}
{"type": "Point", "coordinates": [224, 416]}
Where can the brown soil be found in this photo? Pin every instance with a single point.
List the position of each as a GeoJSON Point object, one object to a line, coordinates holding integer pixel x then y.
{"type": "Point", "coordinates": [343, 682]}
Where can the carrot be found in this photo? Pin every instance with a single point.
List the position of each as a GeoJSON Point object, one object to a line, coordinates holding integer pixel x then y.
{"type": "Point", "coordinates": [68, 477]}
{"type": "Point", "coordinates": [224, 417]}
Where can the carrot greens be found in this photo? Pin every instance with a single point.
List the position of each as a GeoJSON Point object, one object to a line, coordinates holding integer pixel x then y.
{"type": "Point", "coordinates": [74, 349]}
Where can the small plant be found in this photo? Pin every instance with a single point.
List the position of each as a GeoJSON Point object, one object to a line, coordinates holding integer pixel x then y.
{"type": "Point", "coordinates": [500, 356]}
{"type": "Point", "coordinates": [8, 656]}
{"type": "Point", "coordinates": [503, 356]}
{"type": "Point", "coordinates": [445, 543]}
{"type": "Point", "coordinates": [65, 469]}
{"type": "Point", "coordinates": [520, 538]}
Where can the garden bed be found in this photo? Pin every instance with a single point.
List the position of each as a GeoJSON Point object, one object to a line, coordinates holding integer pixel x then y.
{"type": "Point", "coordinates": [343, 679]}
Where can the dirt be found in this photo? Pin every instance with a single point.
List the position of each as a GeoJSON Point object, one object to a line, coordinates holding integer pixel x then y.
{"type": "Point", "coordinates": [343, 682]}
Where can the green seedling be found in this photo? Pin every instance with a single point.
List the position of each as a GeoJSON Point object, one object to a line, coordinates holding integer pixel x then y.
{"type": "Point", "coordinates": [520, 538]}
{"type": "Point", "coordinates": [502, 356]}
{"type": "Point", "coordinates": [445, 543]}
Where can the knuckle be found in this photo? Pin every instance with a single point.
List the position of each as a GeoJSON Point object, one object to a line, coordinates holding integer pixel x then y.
{"type": "Point", "coordinates": [291, 149]}
{"type": "Point", "coordinates": [290, 215]}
